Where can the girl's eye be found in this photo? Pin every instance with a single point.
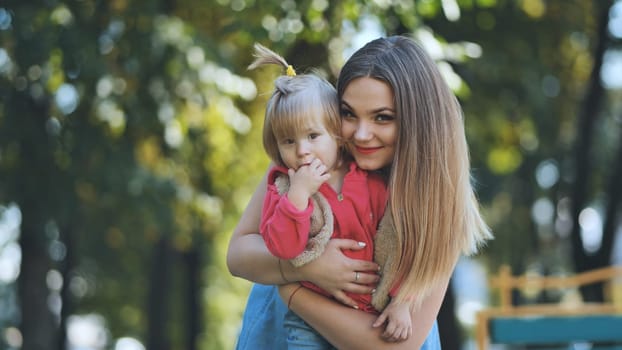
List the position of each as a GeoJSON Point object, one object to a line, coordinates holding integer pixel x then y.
{"type": "Point", "coordinates": [313, 135]}
{"type": "Point", "coordinates": [287, 141]}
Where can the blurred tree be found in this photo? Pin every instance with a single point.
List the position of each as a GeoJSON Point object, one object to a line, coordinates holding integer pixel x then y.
{"type": "Point", "coordinates": [528, 71]}
{"type": "Point", "coordinates": [519, 100]}
{"type": "Point", "coordinates": [584, 154]}
{"type": "Point", "coordinates": [129, 133]}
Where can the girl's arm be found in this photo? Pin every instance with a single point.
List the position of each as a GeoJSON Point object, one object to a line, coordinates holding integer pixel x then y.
{"type": "Point", "coordinates": [248, 257]}
{"type": "Point", "coordinates": [346, 328]}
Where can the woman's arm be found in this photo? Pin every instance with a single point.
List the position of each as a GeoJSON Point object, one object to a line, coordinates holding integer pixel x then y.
{"type": "Point", "coordinates": [347, 328]}
{"type": "Point", "coordinates": [248, 258]}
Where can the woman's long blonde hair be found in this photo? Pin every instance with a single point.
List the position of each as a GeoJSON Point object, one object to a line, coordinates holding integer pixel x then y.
{"type": "Point", "coordinates": [433, 205]}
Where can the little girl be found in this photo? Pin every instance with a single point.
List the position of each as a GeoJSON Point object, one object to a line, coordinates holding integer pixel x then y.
{"type": "Point", "coordinates": [315, 193]}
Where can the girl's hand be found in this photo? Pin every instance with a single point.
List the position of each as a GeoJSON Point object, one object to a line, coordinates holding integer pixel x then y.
{"type": "Point", "coordinates": [305, 181]}
{"type": "Point", "coordinates": [336, 273]}
{"type": "Point", "coordinates": [398, 322]}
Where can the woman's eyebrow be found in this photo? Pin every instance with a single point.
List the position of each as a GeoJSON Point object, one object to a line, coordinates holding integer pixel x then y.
{"type": "Point", "coordinates": [382, 109]}
{"type": "Point", "coordinates": [373, 111]}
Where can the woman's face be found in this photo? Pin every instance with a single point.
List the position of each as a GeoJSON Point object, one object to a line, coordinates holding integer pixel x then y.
{"type": "Point", "coordinates": [369, 125]}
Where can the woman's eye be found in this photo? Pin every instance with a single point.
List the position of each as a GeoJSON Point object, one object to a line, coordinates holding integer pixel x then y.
{"type": "Point", "coordinates": [384, 117]}
{"type": "Point", "coordinates": [346, 113]}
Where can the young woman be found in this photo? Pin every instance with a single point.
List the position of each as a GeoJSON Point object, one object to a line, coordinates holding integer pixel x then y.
{"type": "Point", "coordinates": [397, 113]}
{"type": "Point", "coordinates": [315, 192]}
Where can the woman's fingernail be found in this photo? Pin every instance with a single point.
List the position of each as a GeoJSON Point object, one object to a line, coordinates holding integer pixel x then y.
{"type": "Point", "coordinates": [361, 244]}
{"type": "Point", "coordinates": [356, 307]}
{"type": "Point", "coordinates": [373, 291]}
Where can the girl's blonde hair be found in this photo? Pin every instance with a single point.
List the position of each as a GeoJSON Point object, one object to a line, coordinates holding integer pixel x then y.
{"type": "Point", "coordinates": [296, 103]}
{"type": "Point", "coordinates": [433, 205]}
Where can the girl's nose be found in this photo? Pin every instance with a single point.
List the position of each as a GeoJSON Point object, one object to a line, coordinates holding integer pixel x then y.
{"type": "Point", "coordinates": [302, 148]}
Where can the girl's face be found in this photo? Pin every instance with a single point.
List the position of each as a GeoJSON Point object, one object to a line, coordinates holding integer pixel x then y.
{"type": "Point", "coordinates": [300, 148]}
{"type": "Point", "coordinates": [369, 127]}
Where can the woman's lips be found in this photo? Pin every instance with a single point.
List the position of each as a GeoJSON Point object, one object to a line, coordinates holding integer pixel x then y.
{"type": "Point", "coordinates": [367, 150]}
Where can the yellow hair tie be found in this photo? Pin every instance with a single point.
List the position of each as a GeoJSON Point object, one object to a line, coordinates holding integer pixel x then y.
{"type": "Point", "coordinates": [290, 71]}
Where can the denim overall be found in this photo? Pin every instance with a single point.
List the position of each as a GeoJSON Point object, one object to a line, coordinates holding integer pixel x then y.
{"type": "Point", "coordinates": [262, 325]}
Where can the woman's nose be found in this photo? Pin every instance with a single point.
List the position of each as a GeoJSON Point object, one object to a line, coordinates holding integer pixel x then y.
{"type": "Point", "coordinates": [363, 132]}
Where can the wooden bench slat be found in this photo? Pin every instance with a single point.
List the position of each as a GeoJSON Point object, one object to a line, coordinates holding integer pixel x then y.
{"type": "Point", "coordinates": [599, 324]}
{"type": "Point", "coordinates": [553, 330]}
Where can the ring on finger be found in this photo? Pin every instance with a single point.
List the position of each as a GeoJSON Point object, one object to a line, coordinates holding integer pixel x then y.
{"type": "Point", "coordinates": [356, 276]}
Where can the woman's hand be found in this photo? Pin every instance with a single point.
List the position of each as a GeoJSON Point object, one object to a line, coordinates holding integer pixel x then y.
{"type": "Point", "coordinates": [336, 273]}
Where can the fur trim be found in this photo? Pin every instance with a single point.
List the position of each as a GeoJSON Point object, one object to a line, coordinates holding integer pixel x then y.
{"type": "Point", "coordinates": [321, 228]}
{"type": "Point", "coordinates": [385, 249]}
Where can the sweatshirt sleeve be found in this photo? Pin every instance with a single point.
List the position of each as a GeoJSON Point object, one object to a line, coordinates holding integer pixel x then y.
{"type": "Point", "coordinates": [284, 228]}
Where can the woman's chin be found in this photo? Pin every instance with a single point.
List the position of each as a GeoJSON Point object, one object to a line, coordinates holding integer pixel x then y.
{"type": "Point", "coordinates": [366, 163]}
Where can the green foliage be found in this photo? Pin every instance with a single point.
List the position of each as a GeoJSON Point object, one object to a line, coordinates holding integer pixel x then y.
{"type": "Point", "coordinates": [128, 123]}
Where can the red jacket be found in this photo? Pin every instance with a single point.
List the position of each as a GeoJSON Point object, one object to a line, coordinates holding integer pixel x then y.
{"type": "Point", "coordinates": [285, 229]}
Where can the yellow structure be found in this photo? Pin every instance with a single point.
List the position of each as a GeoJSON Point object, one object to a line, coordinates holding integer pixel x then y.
{"type": "Point", "coordinates": [560, 323]}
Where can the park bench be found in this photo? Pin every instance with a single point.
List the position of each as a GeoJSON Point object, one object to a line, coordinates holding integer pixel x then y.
{"type": "Point", "coordinates": [597, 325]}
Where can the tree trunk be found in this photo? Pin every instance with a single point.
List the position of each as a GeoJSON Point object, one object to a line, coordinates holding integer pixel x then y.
{"type": "Point", "coordinates": [192, 262]}
{"type": "Point", "coordinates": [31, 187]}
{"type": "Point", "coordinates": [614, 192]}
{"type": "Point", "coordinates": [583, 155]}
{"type": "Point", "coordinates": [451, 337]}
{"type": "Point", "coordinates": [38, 325]}
{"type": "Point", "coordinates": [158, 314]}
{"type": "Point", "coordinates": [67, 307]}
